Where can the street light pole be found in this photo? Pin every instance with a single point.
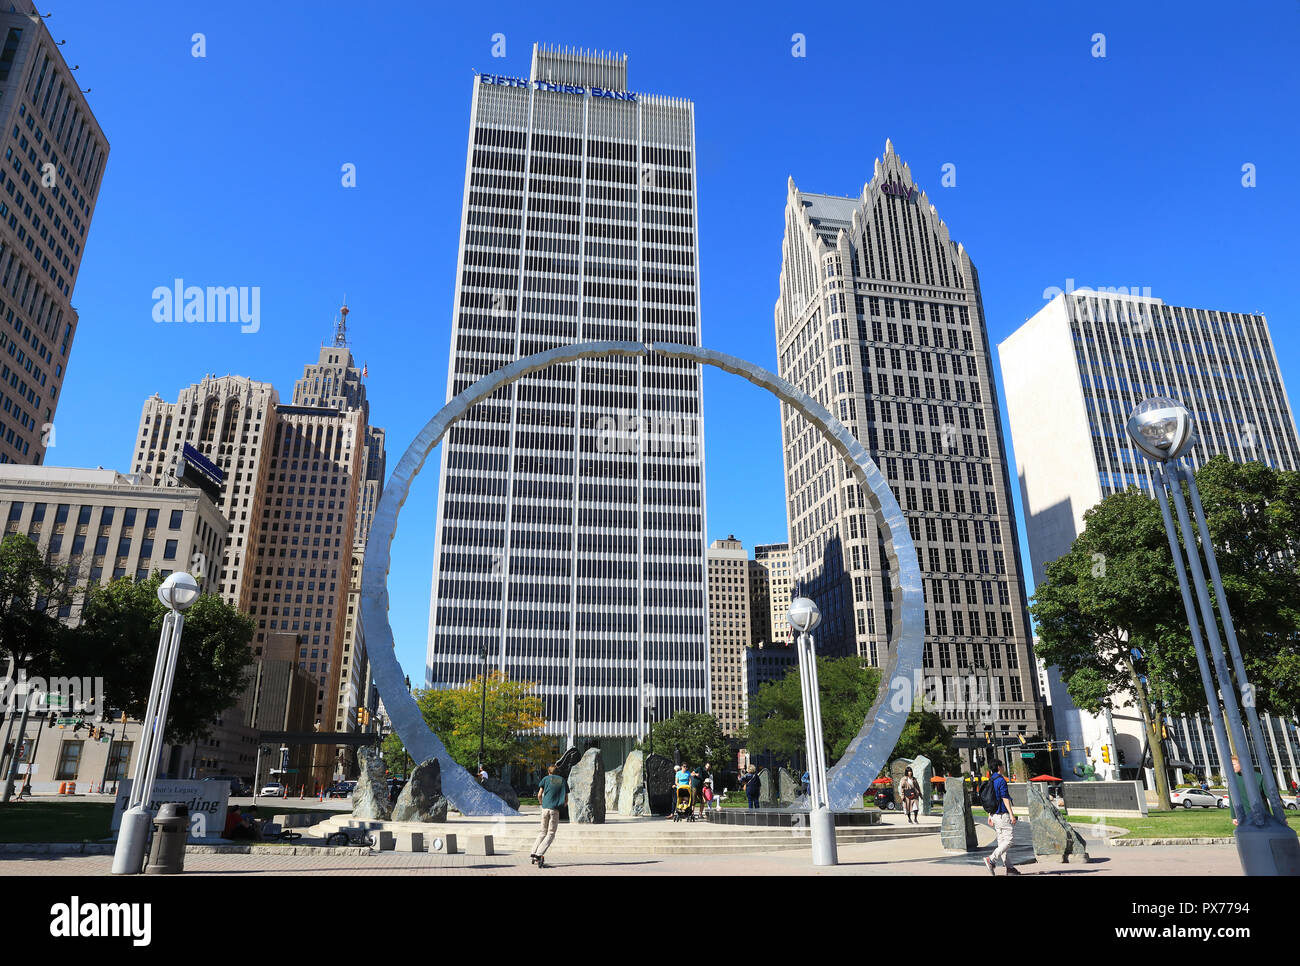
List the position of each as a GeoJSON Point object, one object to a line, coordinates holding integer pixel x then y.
{"type": "Point", "coordinates": [1162, 429]}
{"type": "Point", "coordinates": [804, 616]}
{"type": "Point", "coordinates": [482, 724]}
{"type": "Point", "coordinates": [177, 593]}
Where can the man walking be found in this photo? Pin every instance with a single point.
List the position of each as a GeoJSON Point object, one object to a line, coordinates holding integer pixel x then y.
{"type": "Point", "coordinates": [1002, 818]}
{"type": "Point", "coordinates": [550, 795]}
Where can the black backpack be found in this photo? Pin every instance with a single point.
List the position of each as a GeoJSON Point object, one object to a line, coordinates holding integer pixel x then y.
{"type": "Point", "coordinates": [989, 797]}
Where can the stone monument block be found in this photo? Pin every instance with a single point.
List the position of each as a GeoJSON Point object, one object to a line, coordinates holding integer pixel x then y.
{"type": "Point", "coordinates": [660, 784]}
{"type": "Point", "coordinates": [923, 769]}
{"type": "Point", "coordinates": [613, 781]}
{"type": "Point", "coordinates": [1055, 840]}
{"type": "Point", "coordinates": [422, 799]}
{"type": "Point", "coordinates": [502, 791]}
{"type": "Point", "coordinates": [632, 792]}
{"type": "Point", "coordinates": [370, 796]}
{"type": "Point", "coordinates": [587, 789]}
{"type": "Point", "coordinates": [957, 831]}
{"type": "Point", "coordinates": [767, 797]}
{"type": "Point", "coordinates": [788, 788]}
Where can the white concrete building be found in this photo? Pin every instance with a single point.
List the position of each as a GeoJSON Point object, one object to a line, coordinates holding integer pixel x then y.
{"type": "Point", "coordinates": [1073, 373]}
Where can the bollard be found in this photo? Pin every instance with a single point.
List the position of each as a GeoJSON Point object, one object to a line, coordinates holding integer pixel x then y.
{"type": "Point", "coordinates": [171, 828]}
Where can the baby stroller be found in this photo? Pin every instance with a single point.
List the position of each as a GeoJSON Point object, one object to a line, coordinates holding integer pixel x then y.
{"type": "Point", "coordinates": [685, 808]}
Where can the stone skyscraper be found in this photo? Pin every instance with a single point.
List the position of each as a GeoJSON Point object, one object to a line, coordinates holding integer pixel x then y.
{"type": "Point", "coordinates": [570, 542]}
{"type": "Point", "coordinates": [879, 317]}
{"type": "Point", "coordinates": [730, 614]}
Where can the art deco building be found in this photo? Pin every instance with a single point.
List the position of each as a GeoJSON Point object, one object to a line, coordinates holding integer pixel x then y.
{"type": "Point", "coordinates": [52, 168]}
{"type": "Point", "coordinates": [729, 630]}
{"type": "Point", "coordinates": [1073, 374]}
{"type": "Point", "coordinates": [570, 544]}
{"type": "Point", "coordinates": [879, 317]}
{"type": "Point", "coordinates": [296, 479]}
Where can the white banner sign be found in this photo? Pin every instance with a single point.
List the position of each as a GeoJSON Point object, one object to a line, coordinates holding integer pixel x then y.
{"type": "Point", "coordinates": [206, 801]}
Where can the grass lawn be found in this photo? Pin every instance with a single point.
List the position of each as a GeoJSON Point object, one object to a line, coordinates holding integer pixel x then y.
{"type": "Point", "coordinates": [37, 821]}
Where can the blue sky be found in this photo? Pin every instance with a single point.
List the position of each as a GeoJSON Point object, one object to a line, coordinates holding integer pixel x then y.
{"type": "Point", "coordinates": [226, 170]}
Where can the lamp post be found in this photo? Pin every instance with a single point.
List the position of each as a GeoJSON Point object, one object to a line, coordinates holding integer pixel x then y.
{"type": "Point", "coordinates": [482, 721]}
{"type": "Point", "coordinates": [1162, 429]}
{"type": "Point", "coordinates": [177, 593]}
{"type": "Point", "coordinates": [804, 616]}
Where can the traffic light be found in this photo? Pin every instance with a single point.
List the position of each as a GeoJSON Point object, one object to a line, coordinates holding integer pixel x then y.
{"type": "Point", "coordinates": [1049, 747]}
{"type": "Point", "coordinates": [988, 736]}
{"type": "Point", "coordinates": [1164, 732]}
{"type": "Point", "coordinates": [1022, 739]}
{"type": "Point", "coordinates": [1105, 753]}
{"type": "Point", "coordinates": [363, 716]}
{"type": "Point", "coordinates": [1067, 746]}
{"type": "Point", "coordinates": [52, 719]}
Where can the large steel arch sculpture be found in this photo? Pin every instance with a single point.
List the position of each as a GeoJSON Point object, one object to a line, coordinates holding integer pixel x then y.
{"type": "Point", "coordinates": [864, 756]}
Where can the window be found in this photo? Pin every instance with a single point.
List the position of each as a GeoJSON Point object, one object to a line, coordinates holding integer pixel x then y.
{"type": "Point", "coordinates": [176, 519]}
{"type": "Point", "coordinates": [106, 516]}
{"type": "Point", "coordinates": [169, 550]}
{"type": "Point", "coordinates": [15, 511]}
{"type": "Point", "coordinates": [69, 761]}
{"type": "Point", "coordinates": [151, 518]}
{"type": "Point", "coordinates": [61, 514]}
{"type": "Point", "coordinates": [101, 546]}
{"type": "Point", "coordinates": [78, 544]}
{"type": "Point", "coordinates": [118, 759]}
{"type": "Point", "coordinates": [128, 517]}
{"type": "Point", "coordinates": [83, 516]}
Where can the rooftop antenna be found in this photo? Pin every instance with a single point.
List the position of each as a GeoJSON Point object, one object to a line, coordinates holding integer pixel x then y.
{"type": "Point", "coordinates": [341, 326]}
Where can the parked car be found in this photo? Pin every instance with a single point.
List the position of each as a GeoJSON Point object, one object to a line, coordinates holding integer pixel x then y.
{"type": "Point", "coordinates": [1189, 797]}
{"type": "Point", "coordinates": [272, 790]}
{"type": "Point", "coordinates": [340, 789]}
{"type": "Point", "coordinates": [1292, 802]}
{"type": "Point", "coordinates": [395, 786]}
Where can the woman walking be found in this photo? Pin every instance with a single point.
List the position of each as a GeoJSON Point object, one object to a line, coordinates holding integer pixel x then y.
{"type": "Point", "coordinates": [911, 792]}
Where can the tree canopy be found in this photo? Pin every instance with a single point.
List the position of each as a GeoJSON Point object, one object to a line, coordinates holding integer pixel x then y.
{"type": "Point", "coordinates": [698, 737]}
{"type": "Point", "coordinates": [1110, 614]}
{"type": "Point", "coordinates": [847, 688]}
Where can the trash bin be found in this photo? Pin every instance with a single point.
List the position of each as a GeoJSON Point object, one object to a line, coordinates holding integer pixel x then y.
{"type": "Point", "coordinates": [171, 828]}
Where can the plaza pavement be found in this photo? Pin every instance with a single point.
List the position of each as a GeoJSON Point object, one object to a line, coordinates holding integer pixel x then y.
{"type": "Point", "coordinates": [921, 856]}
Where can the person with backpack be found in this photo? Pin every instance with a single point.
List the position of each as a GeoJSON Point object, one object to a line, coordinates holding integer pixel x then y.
{"type": "Point", "coordinates": [911, 791]}
{"type": "Point", "coordinates": [550, 796]}
{"type": "Point", "coordinates": [995, 796]}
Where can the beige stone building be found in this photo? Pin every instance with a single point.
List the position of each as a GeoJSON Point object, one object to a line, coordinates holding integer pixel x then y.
{"type": "Point", "coordinates": [729, 630]}
{"type": "Point", "coordinates": [773, 559]}
{"type": "Point", "coordinates": [102, 525]}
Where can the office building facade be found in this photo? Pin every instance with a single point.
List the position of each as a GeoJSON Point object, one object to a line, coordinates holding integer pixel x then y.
{"type": "Point", "coordinates": [880, 318]}
{"type": "Point", "coordinates": [53, 164]}
{"type": "Point", "coordinates": [98, 526]}
{"type": "Point", "coordinates": [570, 543]}
{"type": "Point", "coordinates": [1073, 374]}
{"type": "Point", "coordinates": [729, 630]}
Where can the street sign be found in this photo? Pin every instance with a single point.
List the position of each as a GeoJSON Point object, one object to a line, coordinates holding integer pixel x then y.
{"type": "Point", "coordinates": [68, 721]}
{"type": "Point", "coordinates": [1029, 754]}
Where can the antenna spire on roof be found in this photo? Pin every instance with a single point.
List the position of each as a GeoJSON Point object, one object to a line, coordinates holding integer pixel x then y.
{"type": "Point", "coordinates": [341, 325]}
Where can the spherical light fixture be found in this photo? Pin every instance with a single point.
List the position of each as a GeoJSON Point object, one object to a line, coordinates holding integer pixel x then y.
{"type": "Point", "coordinates": [178, 591]}
{"type": "Point", "coordinates": [1161, 428]}
{"type": "Point", "coordinates": [804, 615]}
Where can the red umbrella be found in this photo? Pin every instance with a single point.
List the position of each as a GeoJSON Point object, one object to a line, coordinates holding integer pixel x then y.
{"type": "Point", "coordinates": [1045, 778]}
{"type": "Point", "coordinates": [883, 781]}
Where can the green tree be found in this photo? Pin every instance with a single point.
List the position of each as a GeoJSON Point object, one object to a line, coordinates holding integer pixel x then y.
{"type": "Point", "coordinates": [698, 737]}
{"type": "Point", "coordinates": [117, 640]}
{"type": "Point", "coordinates": [1110, 614]}
{"type": "Point", "coordinates": [926, 734]}
{"type": "Point", "coordinates": [31, 592]}
{"type": "Point", "coordinates": [514, 714]}
{"type": "Point", "coordinates": [847, 689]}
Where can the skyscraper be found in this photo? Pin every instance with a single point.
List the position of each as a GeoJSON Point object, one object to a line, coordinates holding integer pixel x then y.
{"type": "Point", "coordinates": [1073, 374]}
{"type": "Point", "coordinates": [729, 630]}
{"type": "Point", "coordinates": [298, 479]}
{"type": "Point", "coordinates": [879, 317]}
{"type": "Point", "coordinates": [54, 154]}
{"type": "Point", "coordinates": [570, 537]}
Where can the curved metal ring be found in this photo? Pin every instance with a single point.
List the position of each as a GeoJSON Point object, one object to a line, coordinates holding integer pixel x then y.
{"type": "Point", "coordinates": [865, 755]}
